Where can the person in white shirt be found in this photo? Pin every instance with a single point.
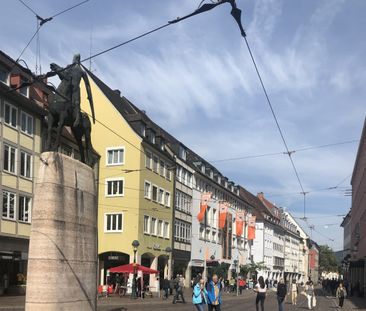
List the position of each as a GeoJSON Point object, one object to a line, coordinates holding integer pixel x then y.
{"type": "Point", "coordinates": [261, 290]}
{"type": "Point", "coordinates": [294, 291]}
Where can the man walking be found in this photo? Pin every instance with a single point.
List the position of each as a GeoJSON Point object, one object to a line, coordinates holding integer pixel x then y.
{"type": "Point", "coordinates": [178, 283]}
{"type": "Point", "coordinates": [213, 288]}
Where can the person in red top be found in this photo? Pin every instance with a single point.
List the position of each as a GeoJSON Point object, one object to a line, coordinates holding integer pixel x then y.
{"type": "Point", "coordinates": [241, 285]}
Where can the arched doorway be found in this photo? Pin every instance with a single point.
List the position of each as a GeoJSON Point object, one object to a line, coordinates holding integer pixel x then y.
{"type": "Point", "coordinates": [163, 261]}
{"type": "Point", "coordinates": [109, 260]}
{"type": "Point", "coordinates": [150, 261]}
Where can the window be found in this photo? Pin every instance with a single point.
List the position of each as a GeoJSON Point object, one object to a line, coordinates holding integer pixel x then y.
{"type": "Point", "coordinates": [24, 209]}
{"type": "Point", "coordinates": [147, 190]}
{"type": "Point", "coordinates": [213, 236]}
{"type": "Point", "coordinates": [162, 168]}
{"type": "Point", "coordinates": [161, 196]}
{"type": "Point", "coordinates": [113, 222]}
{"type": "Point", "coordinates": [167, 199]}
{"type": "Point", "coordinates": [4, 76]}
{"type": "Point", "coordinates": [9, 159]}
{"type": "Point", "coordinates": [154, 193]}
{"type": "Point", "coordinates": [10, 115]}
{"type": "Point", "coordinates": [182, 153]}
{"type": "Point", "coordinates": [146, 224]}
{"type": "Point", "coordinates": [155, 163]}
{"type": "Point", "coordinates": [166, 230]}
{"type": "Point", "coordinates": [168, 173]}
{"type": "Point", "coordinates": [25, 164]}
{"type": "Point", "coordinates": [114, 187]}
{"type": "Point", "coordinates": [24, 90]}
{"type": "Point", "coordinates": [153, 226]}
{"type": "Point", "coordinates": [182, 231]}
{"type": "Point", "coordinates": [26, 123]}
{"type": "Point", "coordinates": [116, 156]}
{"type": "Point", "coordinates": [8, 205]}
{"type": "Point", "coordinates": [148, 158]}
{"type": "Point", "coordinates": [160, 228]}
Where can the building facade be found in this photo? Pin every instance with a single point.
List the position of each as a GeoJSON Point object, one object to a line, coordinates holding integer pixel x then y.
{"type": "Point", "coordinates": [136, 184]}
{"type": "Point", "coordinates": [313, 261]}
{"type": "Point", "coordinates": [356, 261]}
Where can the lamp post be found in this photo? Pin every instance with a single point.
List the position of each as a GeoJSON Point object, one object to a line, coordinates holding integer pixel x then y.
{"type": "Point", "coordinates": [168, 250]}
{"type": "Point", "coordinates": [135, 245]}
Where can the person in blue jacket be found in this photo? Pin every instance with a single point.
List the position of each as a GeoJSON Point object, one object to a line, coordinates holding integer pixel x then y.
{"type": "Point", "coordinates": [199, 295]}
{"type": "Point", "coordinates": [214, 290]}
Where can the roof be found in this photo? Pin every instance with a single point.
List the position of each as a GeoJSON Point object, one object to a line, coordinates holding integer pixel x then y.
{"type": "Point", "coordinates": [346, 219]}
{"type": "Point", "coordinates": [133, 115]}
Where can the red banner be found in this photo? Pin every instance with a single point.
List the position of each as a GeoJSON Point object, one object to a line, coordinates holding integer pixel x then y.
{"type": "Point", "coordinates": [205, 199]}
{"type": "Point", "coordinates": [251, 228]}
{"type": "Point", "coordinates": [239, 221]}
{"type": "Point", "coordinates": [223, 208]}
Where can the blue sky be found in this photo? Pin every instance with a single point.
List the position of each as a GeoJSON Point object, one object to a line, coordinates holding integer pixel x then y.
{"type": "Point", "coordinates": [197, 81]}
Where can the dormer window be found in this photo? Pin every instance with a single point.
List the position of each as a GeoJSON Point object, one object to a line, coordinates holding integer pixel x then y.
{"type": "Point", "coordinates": [182, 153]}
{"type": "Point", "coordinates": [25, 89]}
{"type": "Point", "coordinates": [143, 129]}
{"type": "Point", "coordinates": [203, 169]}
{"type": "Point", "coordinates": [4, 76]}
{"type": "Point", "coordinates": [150, 135]}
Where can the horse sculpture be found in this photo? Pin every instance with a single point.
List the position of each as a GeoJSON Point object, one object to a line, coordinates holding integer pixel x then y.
{"type": "Point", "coordinates": [64, 109]}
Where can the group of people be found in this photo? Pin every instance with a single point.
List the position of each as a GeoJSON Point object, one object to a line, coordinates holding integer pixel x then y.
{"type": "Point", "coordinates": [207, 293]}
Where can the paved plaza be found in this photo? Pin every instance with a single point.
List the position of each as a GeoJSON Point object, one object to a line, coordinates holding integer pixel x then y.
{"type": "Point", "coordinates": [230, 303]}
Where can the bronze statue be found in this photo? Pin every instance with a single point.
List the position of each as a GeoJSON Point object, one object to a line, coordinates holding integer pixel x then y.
{"type": "Point", "coordinates": [64, 109]}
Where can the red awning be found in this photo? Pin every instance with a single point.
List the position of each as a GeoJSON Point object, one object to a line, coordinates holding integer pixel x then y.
{"type": "Point", "coordinates": [130, 269]}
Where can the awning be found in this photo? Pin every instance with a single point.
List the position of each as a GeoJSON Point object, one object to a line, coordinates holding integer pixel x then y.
{"type": "Point", "coordinates": [131, 268]}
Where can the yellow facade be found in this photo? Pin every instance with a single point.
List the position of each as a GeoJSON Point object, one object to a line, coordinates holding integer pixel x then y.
{"type": "Point", "coordinates": [111, 130]}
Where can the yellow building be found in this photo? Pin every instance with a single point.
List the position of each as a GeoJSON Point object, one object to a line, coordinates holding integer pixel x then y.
{"type": "Point", "coordinates": [20, 147]}
{"type": "Point", "coordinates": [135, 183]}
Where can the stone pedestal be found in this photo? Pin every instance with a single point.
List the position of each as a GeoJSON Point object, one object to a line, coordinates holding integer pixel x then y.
{"type": "Point", "coordinates": [62, 263]}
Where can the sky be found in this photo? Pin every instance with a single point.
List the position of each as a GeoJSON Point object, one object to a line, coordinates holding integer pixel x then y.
{"type": "Point", "coordinates": [196, 80]}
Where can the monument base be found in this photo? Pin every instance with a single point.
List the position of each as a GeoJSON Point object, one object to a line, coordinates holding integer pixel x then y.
{"type": "Point", "coordinates": [62, 263]}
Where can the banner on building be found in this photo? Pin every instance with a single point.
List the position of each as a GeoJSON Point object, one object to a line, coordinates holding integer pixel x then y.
{"type": "Point", "coordinates": [251, 228]}
{"type": "Point", "coordinates": [223, 208]}
{"type": "Point", "coordinates": [205, 199]}
{"type": "Point", "coordinates": [239, 221]}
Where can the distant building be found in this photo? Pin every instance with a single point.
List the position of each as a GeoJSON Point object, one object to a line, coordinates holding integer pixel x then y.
{"type": "Point", "coordinates": [345, 255]}
{"type": "Point", "coordinates": [313, 261]}
{"type": "Point", "coordinates": [269, 243]}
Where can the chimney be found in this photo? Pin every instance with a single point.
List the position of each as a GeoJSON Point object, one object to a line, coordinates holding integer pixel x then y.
{"type": "Point", "coordinates": [260, 195]}
{"type": "Point", "coordinates": [118, 92]}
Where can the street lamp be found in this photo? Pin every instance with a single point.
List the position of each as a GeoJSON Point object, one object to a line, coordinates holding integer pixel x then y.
{"type": "Point", "coordinates": [135, 245]}
{"type": "Point", "coordinates": [168, 250]}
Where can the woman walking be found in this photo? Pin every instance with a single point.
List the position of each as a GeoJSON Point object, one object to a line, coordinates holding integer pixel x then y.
{"type": "Point", "coordinates": [294, 291]}
{"type": "Point", "coordinates": [260, 289]}
{"type": "Point", "coordinates": [341, 294]}
{"type": "Point", "coordinates": [281, 294]}
{"type": "Point", "coordinates": [199, 295]}
{"type": "Point", "coordinates": [309, 290]}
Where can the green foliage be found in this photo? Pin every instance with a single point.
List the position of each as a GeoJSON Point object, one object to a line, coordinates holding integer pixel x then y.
{"type": "Point", "coordinates": [221, 270]}
{"type": "Point", "coordinates": [327, 259]}
{"type": "Point", "coordinates": [252, 268]}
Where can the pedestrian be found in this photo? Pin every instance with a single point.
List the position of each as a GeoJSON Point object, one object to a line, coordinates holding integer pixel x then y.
{"type": "Point", "coordinates": [281, 294]}
{"type": "Point", "coordinates": [241, 285]}
{"type": "Point", "coordinates": [178, 290]}
{"type": "Point", "coordinates": [260, 289]}
{"type": "Point", "coordinates": [166, 286]}
{"type": "Point", "coordinates": [341, 294]}
{"type": "Point", "coordinates": [294, 292]}
{"type": "Point", "coordinates": [199, 296]}
{"type": "Point", "coordinates": [310, 295]}
{"type": "Point", "coordinates": [214, 289]}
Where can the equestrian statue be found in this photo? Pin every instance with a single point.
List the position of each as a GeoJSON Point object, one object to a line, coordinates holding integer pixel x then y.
{"type": "Point", "coordinates": [64, 109]}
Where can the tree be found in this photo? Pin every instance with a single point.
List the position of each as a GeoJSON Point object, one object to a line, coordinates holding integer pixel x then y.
{"type": "Point", "coordinates": [327, 259]}
{"type": "Point", "coordinates": [252, 268]}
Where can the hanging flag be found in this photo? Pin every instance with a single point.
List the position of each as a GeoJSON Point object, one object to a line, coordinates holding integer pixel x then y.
{"type": "Point", "coordinates": [251, 228]}
{"type": "Point", "coordinates": [223, 208]}
{"type": "Point", "coordinates": [205, 199]}
{"type": "Point", "coordinates": [239, 221]}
